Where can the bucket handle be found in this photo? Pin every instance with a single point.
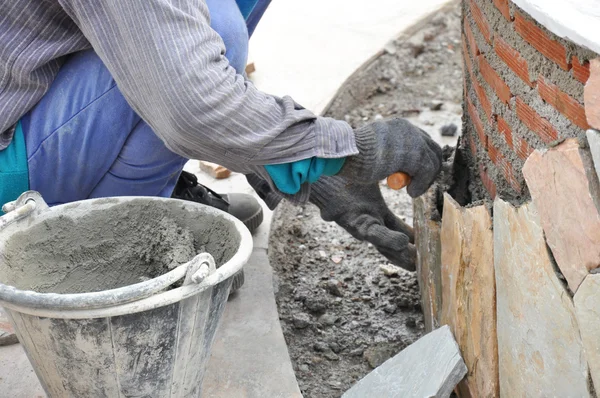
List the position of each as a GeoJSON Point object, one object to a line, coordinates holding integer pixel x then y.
{"type": "Point", "coordinates": [29, 203]}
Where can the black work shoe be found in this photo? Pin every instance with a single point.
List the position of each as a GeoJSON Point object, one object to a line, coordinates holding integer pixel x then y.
{"type": "Point", "coordinates": [242, 206]}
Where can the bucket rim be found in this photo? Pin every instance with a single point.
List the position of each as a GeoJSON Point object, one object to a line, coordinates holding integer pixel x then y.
{"type": "Point", "coordinates": [131, 298]}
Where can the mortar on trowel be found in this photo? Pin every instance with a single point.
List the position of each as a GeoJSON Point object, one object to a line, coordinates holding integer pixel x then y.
{"type": "Point", "coordinates": [70, 282]}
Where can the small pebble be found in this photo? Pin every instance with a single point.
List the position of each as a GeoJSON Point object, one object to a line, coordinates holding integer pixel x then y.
{"type": "Point", "coordinates": [335, 287]}
{"type": "Point", "coordinates": [301, 320]}
{"type": "Point", "coordinates": [449, 130]}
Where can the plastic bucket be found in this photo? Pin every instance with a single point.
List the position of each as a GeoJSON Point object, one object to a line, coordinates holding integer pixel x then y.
{"type": "Point", "coordinates": [104, 299]}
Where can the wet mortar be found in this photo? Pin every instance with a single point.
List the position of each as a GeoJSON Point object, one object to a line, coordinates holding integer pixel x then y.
{"type": "Point", "coordinates": [110, 248]}
{"type": "Point", "coordinates": [344, 310]}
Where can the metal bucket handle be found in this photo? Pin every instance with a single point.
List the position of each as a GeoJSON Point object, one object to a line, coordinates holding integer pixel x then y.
{"type": "Point", "coordinates": [200, 273]}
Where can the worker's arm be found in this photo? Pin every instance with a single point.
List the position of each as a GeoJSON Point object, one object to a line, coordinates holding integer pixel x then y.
{"type": "Point", "coordinates": [171, 68]}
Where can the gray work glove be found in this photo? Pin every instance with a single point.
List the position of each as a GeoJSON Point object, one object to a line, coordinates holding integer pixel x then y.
{"type": "Point", "coordinates": [361, 210]}
{"type": "Point", "coordinates": [388, 146]}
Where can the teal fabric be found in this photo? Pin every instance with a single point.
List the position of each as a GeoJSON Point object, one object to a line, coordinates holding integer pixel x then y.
{"type": "Point", "coordinates": [288, 177]}
{"type": "Point", "coordinates": [14, 174]}
{"type": "Point", "coordinates": [246, 6]}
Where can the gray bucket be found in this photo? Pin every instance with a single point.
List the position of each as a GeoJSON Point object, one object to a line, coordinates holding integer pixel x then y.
{"type": "Point", "coordinates": [104, 297]}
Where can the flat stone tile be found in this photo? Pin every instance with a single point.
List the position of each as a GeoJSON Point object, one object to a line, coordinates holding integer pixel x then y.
{"type": "Point", "coordinates": [593, 137]}
{"type": "Point", "coordinates": [591, 95]}
{"type": "Point", "coordinates": [539, 346]}
{"type": "Point", "coordinates": [587, 308]}
{"type": "Point", "coordinates": [428, 244]}
{"type": "Point", "coordinates": [430, 367]}
{"type": "Point", "coordinates": [564, 188]}
{"type": "Point", "coordinates": [469, 293]}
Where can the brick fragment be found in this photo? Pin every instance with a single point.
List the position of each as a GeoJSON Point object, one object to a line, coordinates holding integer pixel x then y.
{"type": "Point", "coordinates": [466, 56]}
{"type": "Point", "coordinates": [513, 59]}
{"type": "Point", "coordinates": [504, 166]}
{"type": "Point", "coordinates": [483, 139]}
{"type": "Point", "coordinates": [474, 50]}
{"type": "Point", "coordinates": [591, 95]}
{"type": "Point", "coordinates": [535, 36]}
{"type": "Point", "coordinates": [494, 80]}
{"type": "Point", "coordinates": [522, 148]}
{"type": "Point", "coordinates": [488, 183]}
{"type": "Point", "coordinates": [473, 146]}
{"type": "Point", "coordinates": [504, 128]}
{"type": "Point", "coordinates": [581, 71]}
{"type": "Point", "coordinates": [534, 122]}
{"type": "Point", "coordinates": [562, 102]}
{"type": "Point", "coordinates": [481, 21]}
{"type": "Point", "coordinates": [502, 5]}
{"type": "Point", "coordinates": [483, 99]}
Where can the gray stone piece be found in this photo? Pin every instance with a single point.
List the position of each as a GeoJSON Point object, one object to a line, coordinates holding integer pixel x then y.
{"type": "Point", "coordinates": [593, 137]}
{"type": "Point", "coordinates": [430, 367]}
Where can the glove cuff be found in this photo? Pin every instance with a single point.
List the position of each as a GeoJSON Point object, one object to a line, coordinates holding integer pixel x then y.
{"type": "Point", "coordinates": [360, 167]}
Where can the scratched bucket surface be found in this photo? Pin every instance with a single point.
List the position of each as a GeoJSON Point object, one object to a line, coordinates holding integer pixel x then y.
{"type": "Point", "coordinates": [149, 338]}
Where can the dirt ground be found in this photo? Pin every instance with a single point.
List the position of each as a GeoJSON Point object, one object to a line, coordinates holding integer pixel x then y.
{"type": "Point", "coordinates": [343, 309]}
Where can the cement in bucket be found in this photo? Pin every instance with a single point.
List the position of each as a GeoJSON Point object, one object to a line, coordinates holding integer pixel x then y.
{"type": "Point", "coordinates": [107, 297]}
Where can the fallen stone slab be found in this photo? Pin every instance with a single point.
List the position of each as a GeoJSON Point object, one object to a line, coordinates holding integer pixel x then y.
{"type": "Point", "coordinates": [469, 294]}
{"type": "Point", "coordinates": [564, 189]}
{"type": "Point", "coordinates": [539, 345]}
{"type": "Point", "coordinates": [587, 308]}
{"type": "Point", "coordinates": [591, 95]}
{"type": "Point", "coordinates": [430, 367]}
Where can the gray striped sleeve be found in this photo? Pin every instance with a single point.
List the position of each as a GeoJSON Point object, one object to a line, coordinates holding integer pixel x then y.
{"type": "Point", "coordinates": [171, 68]}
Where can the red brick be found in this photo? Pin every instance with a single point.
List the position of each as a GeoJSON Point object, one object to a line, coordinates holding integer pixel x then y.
{"type": "Point", "coordinates": [473, 146]}
{"type": "Point", "coordinates": [591, 95]}
{"type": "Point", "coordinates": [513, 59]}
{"type": "Point", "coordinates": [477, 123]}
{"type": "Point", "coordinates": [535, 122]}
{"type": "Point", "coordinates": [504, 166]}
{"type": "Point", "coordinates": [487, 182]}
{"type": "Point", "coordinates": [535, 36]}
{"type": "Point", "coordinates": [483, 99]}
{"type": "Point", "coordinates": [494, 80]}
{"type": "Point", "coordinates": [482, 23]}
{"type": "Point", "coordinates": [580, 71]}
{"type": "Point", "coordinates": [522, 148]}
{"type": "Point", "coordinates": [467, 57]}
{"type": "Point", "coordinates": [502, 5]}
{"type": "Point", "coordinates": [472, 43]}
{"type": "Point", "coordinates": [562, 102]}
{"type": "Point", "coordinates": [504, 128]}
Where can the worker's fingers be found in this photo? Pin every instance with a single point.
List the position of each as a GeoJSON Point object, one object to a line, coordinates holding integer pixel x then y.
{"type": "Point", "coordinates": [394, 223]}
{"type": "Point", "coordinates": [392, 244]}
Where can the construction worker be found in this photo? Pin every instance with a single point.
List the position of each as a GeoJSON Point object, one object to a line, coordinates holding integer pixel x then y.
{"type": "Point", "coordinates": [111, 97]}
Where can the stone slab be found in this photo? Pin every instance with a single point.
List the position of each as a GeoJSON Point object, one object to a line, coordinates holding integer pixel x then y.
{"type": "Point", "coordinates": [430, 367]}
{"type": "Point", "coordinates": [540, 351]}
{"type": "Point", "coordinates": [427, 242]}
{"type": "Point", "coordinates": [587, 308]}
{"type": "Point", "coordinates": [249, 355]}
{"type": "Point", "coordinates": [593, 137]}
{"type": "Point", "coordinates": [7, 332]}
{"type": "Point", "coordinates": [469, 293]}
{"type": "Point", "coordinates": [591, 95]}
{"type": "Point", "coordinates": [564, 188]}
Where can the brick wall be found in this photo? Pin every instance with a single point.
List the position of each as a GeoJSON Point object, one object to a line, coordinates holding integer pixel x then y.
{"type": "Point", "coordinates": [523, 90]}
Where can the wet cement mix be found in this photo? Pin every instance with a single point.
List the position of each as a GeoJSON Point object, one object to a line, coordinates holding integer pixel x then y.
{"type": "Point", "coordinates": [344, 309]}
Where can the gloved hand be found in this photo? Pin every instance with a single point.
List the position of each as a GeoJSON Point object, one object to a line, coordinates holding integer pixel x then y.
{"type": "Point", "coordinates": [361, 210]}
{"type": "Point", "coordinates": [388, 146]}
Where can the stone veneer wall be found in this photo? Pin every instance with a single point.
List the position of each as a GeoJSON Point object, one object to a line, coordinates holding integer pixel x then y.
{"type": "Point", "coordinates": [524, 91]}
{"type": "Point", "coordinates": [517, 278]}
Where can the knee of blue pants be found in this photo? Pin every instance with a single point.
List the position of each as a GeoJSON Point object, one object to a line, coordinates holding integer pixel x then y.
{"type": "Point", "coordinates": [227, 20]}
{"type": "Point", "coordinates": [84, 140]}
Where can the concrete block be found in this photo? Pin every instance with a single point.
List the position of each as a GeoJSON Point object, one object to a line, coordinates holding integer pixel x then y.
{"type": "Point", "coordinates": [539, 345]}
{"type": "Point", "coordinates": [587, 304]}
{"type": "Point", "coordinates": [564, 188]}
{"type": "Point", "coordinates": [430, 367]}
{"type": "Point", "coordinates": [469, 294]}
{"type": "Point", "coordinates": [429, 274]}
